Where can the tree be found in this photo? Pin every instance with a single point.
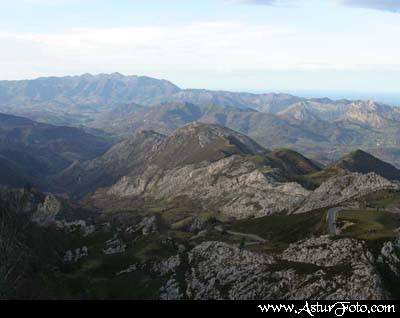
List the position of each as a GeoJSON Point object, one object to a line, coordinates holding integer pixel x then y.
{"type": "Point", "coordinates": [12, 253]}
{"type": "Point", "coordinates": [28, 187]}
{"type": "Point", "coordinates": [242, 243]}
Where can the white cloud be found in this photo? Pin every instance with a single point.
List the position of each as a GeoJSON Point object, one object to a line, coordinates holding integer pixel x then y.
{"type": "Point", "coordinates": [44, 2]}
{"type": "Point", "coordinates": [385, 5]}
{"type": "Point", "coordinates": [262, 2]}
{"type": "Point", "coordinates": [203, 47]}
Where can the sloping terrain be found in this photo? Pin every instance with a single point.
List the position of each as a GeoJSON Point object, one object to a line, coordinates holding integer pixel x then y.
{"type": "Point", "coordinates": [207, 195]}
{"type": "Point", "coordinates": [163, 118]}
{"type": "Point", "coordinates": [190, 144]}
{"type": "Point", "coordinates": [208, 167]}
{"type": "Point", "coordinates": [123, 158]}
{"type": "Point", "coordinates": [360, 162]}
{"type": "Point", "coordinates": [203, 213]}
{"type": "Point", "coordinates": [205, 164]}
{"type": "Point", "coordinates": [295, 162]}
{"type": "Point", "coordinates": [31, 151]}
{"type": "Point", "coordinates": [338, 190]}
{"type": "Point", "coordinates": [149, 257]}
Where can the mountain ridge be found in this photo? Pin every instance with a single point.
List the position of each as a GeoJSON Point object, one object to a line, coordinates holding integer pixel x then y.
{"type": "Point", "coordinates": [323, 128]}
{"type": "Point", "coordinates": [34, 151]}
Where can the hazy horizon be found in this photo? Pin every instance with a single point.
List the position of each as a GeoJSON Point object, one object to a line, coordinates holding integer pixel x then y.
{"type": "Point", "coordinates": [387, 97]}
{"type": "Point", "coordinates": [262, 45]}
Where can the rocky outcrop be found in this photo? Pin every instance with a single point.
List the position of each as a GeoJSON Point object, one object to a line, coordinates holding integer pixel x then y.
{"type": "Point", "coordinates": [237, 188]}
{"type": "Point", "coordinates": [128, 270]}
{"type": "Point", "coordinates": [47, 211]}
{"type": "Point", "coordinates": [81, 225]}
{"type": "Point", "coordinates": [231, 185]}
{"type": "Point", "coordinates": [340, 189]}
{"type": "Point", "coordinates": [221, 271]}
{"type": "Point", "coordinates": [217, 169]}
{"type": "Point", "coordinates": [390, 256]}
{"type": "Point", "coordinates": [171, 290]}
{"type": "Point", "coordinates": [167, 266]}
{"type": "Point", "coordinates": [359, 281]}
{"type": "Point", "coordinates": [147, 226]}
{"type": "Point", "coordinates": [370, 113]}
{"type": "Point", "coordinates": [76, 255]}
{"type": "Point", "coordinates": [198, 224]}
{"type": "Point", "coordinates": [114, 246]}
{"type": "Point", "coordinates": [323, 251]}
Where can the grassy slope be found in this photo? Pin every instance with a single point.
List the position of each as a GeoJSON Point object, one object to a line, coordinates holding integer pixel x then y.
{"type": "Point", "coordinates": [370, 225]}
{"type": "Point", "coordinates": [384, 199]}
{"type": "Point", "coordinates": [376, 228]}
{"type": "Point", "coordinates": [93, 276]}
{"type": "Point", "coordinates": [280, 230]}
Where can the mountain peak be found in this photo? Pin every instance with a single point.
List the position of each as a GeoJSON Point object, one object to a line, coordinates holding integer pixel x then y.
{"type": "Point", "coordinates": [295, 162]}
{"type": "Point", "coordinates": [359, 154]}
{"type": "Point", "coordinates": [198, 142]}
{"type": "Point", "coordinates": [300, 111]}
{"type": "Point", "coordinates": [206, 133]}
{"type": "Point", "coordinates": [363, 162]}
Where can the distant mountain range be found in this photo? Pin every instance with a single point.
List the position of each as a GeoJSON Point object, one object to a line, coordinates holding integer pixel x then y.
{"type": "Point", "coordinates": [325, 129]}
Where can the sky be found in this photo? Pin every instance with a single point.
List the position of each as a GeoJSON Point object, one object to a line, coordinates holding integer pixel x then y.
{"type": "Point", "coordinates": [259, 45]}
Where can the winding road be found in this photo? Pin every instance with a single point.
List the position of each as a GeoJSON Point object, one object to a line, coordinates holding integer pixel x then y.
{"type": "Point", "coordinates": [332, 216]}
{"type": "Point", "coordinates": [250, 236]}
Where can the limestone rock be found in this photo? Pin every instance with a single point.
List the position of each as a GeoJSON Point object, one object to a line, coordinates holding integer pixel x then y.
{"type": "Point", "coordinates": [47, 211]}
{"type": "Point", "coordinates": [221, 271]}
{"type": "Point", "coordinates": [171, 290]}
{"type": "Point", "coordinates": [114, 246]}
{"type": "Point", "coordinates": [390, 256]}
{"type": "Point", "coordinates": [147, 225]}
{"type": "Point", "coordinates": [198, 224]}
{"type": "Point", "coordinates": [76, 255]}
{"type": "Point", "coordinates": [232, 185]}
{"type": "Point", "coordinates": [340, 189]}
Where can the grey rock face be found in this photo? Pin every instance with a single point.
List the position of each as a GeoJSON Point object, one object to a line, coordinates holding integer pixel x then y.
{"type": "Point", "coordinates": [47, 211]}
{"type": "Point", "coordinates": [76, 255]}
{"type": "Point", "coordinates": [148, 225]}
{"type": "Point", "coordinates": [198, 224]}
{"type": "Point", "coordinates": [362, 282]}
{"type": "Point", "coordinates": [237, 188]}
{"type": "Point", "coordinates": [373, 114]}
{"type": "Point", "coordinates": [167, 266]}
{"type": "Point", "coordinates": [216, 264]}
{"type": "Point", "coordinates": [171, 290]}
{"type": "Point", "coordinates": [114, 246]}
{"type": "Point", "coordinates": [130, 269]}
{"type": "Point", "coordinates": [323, 251]}
{"type": "Point", "coordinates": [221, 170]}
{"type": "Point", "coordinates": [220, 271]}
{"type": "Point", "coordinates": [84, 228]}
{"type": "Point", "coordinates": [390, 256]}
{"type": "Point", "coordinates": [337, 190]}
{"type": "Point", "coordinates": [232, 185]}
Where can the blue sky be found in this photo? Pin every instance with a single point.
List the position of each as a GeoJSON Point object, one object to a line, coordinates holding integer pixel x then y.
{"type": "Point", "coordinates": [287, 45]}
